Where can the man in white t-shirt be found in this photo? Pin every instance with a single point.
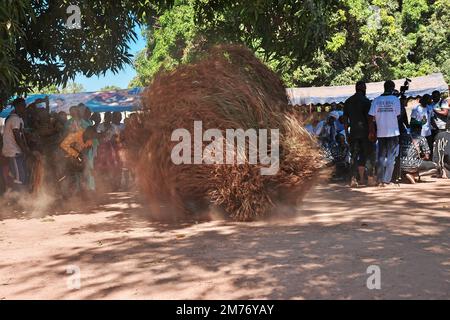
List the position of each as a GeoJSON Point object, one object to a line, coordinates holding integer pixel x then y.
{"type": "Point", "coordinates": [15, 146]}
{"type": "Point", "coordinates": [384, 112]}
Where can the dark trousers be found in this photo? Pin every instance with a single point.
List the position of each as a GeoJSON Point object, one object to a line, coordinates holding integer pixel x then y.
{"type": "Point", "coordinates": [2, 182]}
{"type": "Point", "coordinates": [430, 141]}
{"type": "Point", "coordinates": [361, 150]}
{"type": "Point", "coordinates": [427, 166]}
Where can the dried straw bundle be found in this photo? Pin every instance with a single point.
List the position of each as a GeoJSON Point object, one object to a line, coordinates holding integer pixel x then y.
{"type": "Point", "coordinates": [229, 88]}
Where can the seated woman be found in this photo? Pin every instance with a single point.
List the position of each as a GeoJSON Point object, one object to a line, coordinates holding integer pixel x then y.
{"type": "Point", "coordinates": [327, 138]}
{"type": "Point", "coordinates": [341, 158]}
{"type": "Point", "coordinates": [441, 154]}
{"type": "Point", "coordinates": [415, 154]}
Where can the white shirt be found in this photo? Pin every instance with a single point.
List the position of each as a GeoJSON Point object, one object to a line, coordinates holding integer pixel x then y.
{"type": "Point", "coordinates": [443, 104]}
{"type": "Point", "coordinates": [423, 115]}
{"type": "Point", "coordinates": [113, 130]}
{"type": "Point", "coordinates": [386, 109]}
{"type": "Point", "coordinates": [318, 128]}
{"type": "Point", "coordinates": [309, 128]}
{"type": "Point", "coordinates": [440, 121]}
{"type": "Point", "coordinates": [10, 146]}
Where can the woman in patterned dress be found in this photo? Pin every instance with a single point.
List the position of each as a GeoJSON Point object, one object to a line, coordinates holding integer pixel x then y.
{"type": "Point", "coordinates": [415, 154]}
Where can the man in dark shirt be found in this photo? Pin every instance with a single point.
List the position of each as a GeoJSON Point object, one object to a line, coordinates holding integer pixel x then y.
{"type": "Point", "coordinates": [356, 110]}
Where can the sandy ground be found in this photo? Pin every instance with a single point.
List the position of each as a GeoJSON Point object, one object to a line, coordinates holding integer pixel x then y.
{"type": "Point", "coordinates": [321, 253]}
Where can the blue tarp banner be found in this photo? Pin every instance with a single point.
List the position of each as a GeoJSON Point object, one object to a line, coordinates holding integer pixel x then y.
{"type": "Point", "coordinates": [120, 100]}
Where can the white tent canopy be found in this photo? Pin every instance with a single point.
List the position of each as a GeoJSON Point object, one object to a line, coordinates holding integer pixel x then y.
{"type": "Point", "coordinates": [327, 95]}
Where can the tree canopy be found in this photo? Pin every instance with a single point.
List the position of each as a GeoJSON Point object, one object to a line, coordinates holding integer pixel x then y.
{"type": "Point", "coordinates": [324, 42]}
{"type": "Point", "coordinates": [110, 88]}
{"type": "Point", "coordinates": [70, 87]}
{"type": "Point", "coordinates": [39, 50]}
{"type": "Point", "coordinates": [320, 42]}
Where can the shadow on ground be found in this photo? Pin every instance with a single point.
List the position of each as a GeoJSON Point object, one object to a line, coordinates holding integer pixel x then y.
{"type": "Point", "coordinates": [321, 253]}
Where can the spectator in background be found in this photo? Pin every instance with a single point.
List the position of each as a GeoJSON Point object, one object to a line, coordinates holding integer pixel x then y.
{"type": "Point", "coordinates": [117, 124]}
{"type": "Point", "coordinates": [356, 122]}
{"type": "Point", "coordinates": [341, 158]}
{"type": "Point", "coordinates": [117, 128]}
{"type": "Point", "coordinates": [440, 113]}
{"type": "Point", "coordinates": [384, 113]}
{"type": "Point", "coordinates": [129, 137]}
{"type": "Point", "coordinates": [3, 163]}
{"type": "Point", "coordinates": [85, 114]}
{"type": "Point", "coordinates": [105, 127]}
{"type": "Point", "coordinates": [44, 130]}
{"type": "Point", "coordinates": [311, 127]}
{"type": "Point", "coordinates": [403, 121]}
{"type": "Point", "coordinates": [403, 125]}
{"type": "Point", "coordinates": [415, 154]}
{"type": "Point", "coordinates": [318, 127]}
{"type": "Point", "coordinates": [441, 154]}
{"type": "Point", "coordinates": [107, 158]}
{"type": "Point", "coordinates": [328, 137]}
{"type": "Point", "coordinates": [62, 116]}
{"type": "Point", "coordinates": [74, 123]}
{"type": "Point", "coordinates": [422, 113]}
{"type": "Point", "coordinates": [60, 124]}
{"type": "Point", "coordinates": [96, 119]}
{"type": "Point", "coordinates": [89, 154]}
{"type": "Point", "coordinates": [329, 131]}
{"type": "Point", "coordinates": [339, 123]}
{"type": "Point", "coordinates": [15, 147]}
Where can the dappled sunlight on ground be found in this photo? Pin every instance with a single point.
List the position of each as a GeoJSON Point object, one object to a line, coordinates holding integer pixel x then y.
{"type": "Point", "coordinates": [322, 252]}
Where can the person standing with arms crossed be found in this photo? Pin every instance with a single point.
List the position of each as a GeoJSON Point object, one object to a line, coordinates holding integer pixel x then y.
{"type": "Point", "coordinates": [383, 116]}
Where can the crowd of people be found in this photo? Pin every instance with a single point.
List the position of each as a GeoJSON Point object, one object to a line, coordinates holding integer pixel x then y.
{"type": "Point", "coordinates": [67, 154]}
{"type": "Point", "coordinates": [369, 142]}
{"type": "Point", "coordinates": [376, 143]}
